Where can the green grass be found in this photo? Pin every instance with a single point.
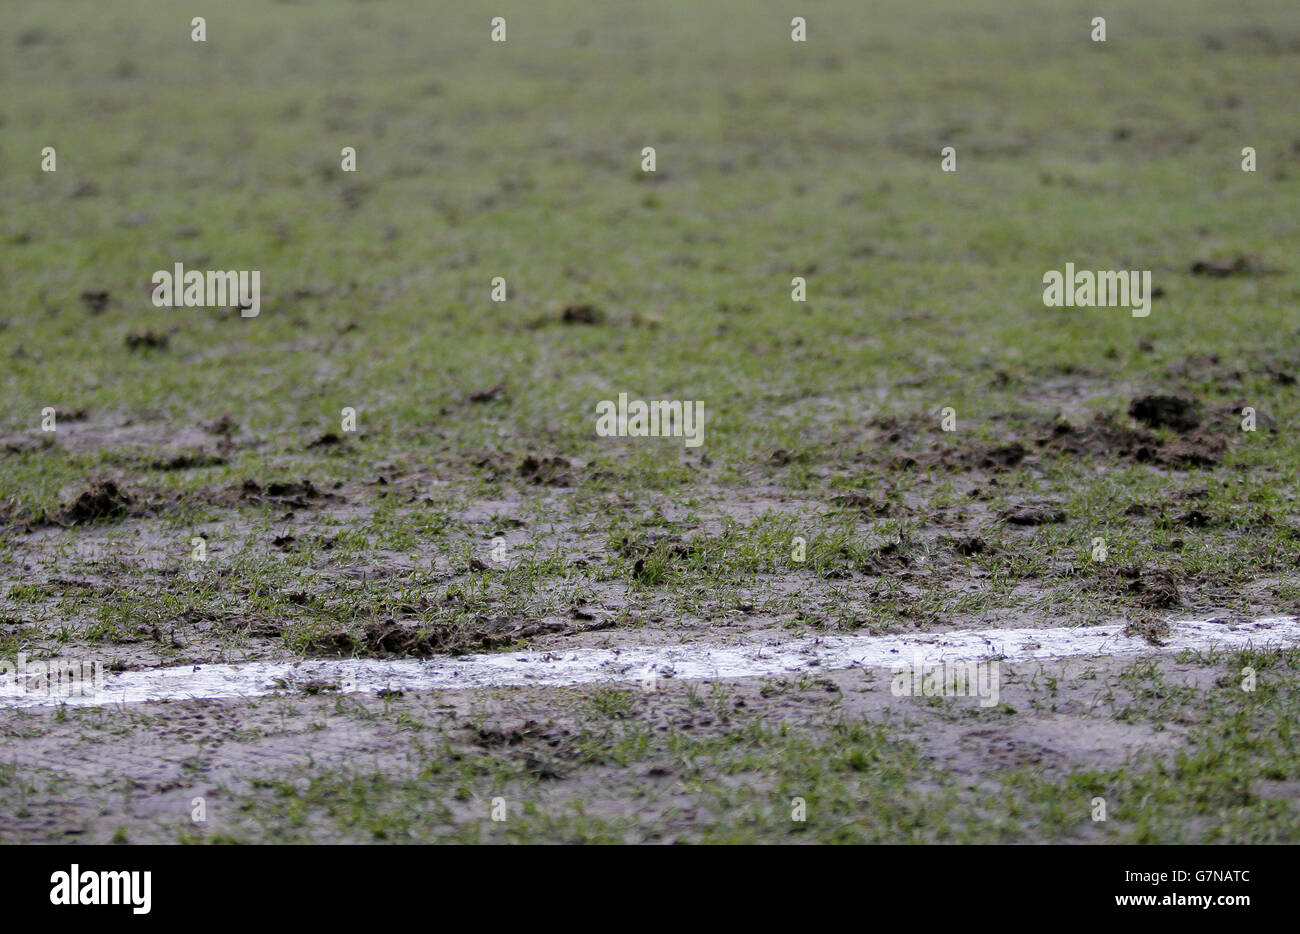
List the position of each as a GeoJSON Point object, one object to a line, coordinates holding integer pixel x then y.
{"type": "Point", "coordinates": [521, 160]}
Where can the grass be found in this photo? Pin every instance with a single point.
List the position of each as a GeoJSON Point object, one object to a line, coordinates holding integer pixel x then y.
{"type": "Point", "coordinates": [775, 160]}
{"type": "Point", "coordinates": [860, 781]}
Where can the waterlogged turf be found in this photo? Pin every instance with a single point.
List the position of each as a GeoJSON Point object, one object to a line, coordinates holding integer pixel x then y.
{"type": "Point", "coordinates": [203, 499]}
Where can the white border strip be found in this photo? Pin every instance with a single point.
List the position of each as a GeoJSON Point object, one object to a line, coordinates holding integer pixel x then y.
{"type": "Point", "coordinates": [685, 662]}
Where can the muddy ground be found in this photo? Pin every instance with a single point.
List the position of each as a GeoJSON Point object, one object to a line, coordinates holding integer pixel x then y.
{"type": "Point", "coordinates": [625, 764]}
{"type": "Point", "coordinates": [389, 462]}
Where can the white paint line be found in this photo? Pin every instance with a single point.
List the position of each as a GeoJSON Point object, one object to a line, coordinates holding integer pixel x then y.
{"type": "Point", "coordinates": [681, 662]}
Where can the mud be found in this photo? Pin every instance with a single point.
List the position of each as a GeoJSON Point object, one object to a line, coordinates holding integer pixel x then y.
{"type": "Point", "coordinates": [146, 340]}
{"type": "Point", "coordinates": [1105, 437]}
{"type": "Point", "coordinates": [1220, 269]}
{"type": "Point", "coordinates": [133, 773]}
{"type": "Point", "coordinates": [1165, 412]}
{"type": "Point", "coordinates": [301, 494]}
{"type": "Point", "coordinates": [103, 500]}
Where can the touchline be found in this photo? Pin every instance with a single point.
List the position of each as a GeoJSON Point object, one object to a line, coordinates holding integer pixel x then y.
{"type": "Point", "coordinates": [103, 888]}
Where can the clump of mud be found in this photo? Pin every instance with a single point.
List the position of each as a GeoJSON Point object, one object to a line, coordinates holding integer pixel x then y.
{"type": "Point", "coordinates": [101, 500]}
{"type": "Point", "coordinates": [491, 394]}
{"type": "Point", "coordinates": [329, 439]}
{"type": "Point", "coordinates": [642, 546]}
{"type": "Point", "coordinates": [1165, 412]}
{"type": "Point", "coordinates": [997, 457]}
{"type": "Point", "coordinates": [537, 469]}
{"type": "Point", "coordinates": [864, 503]}
{"type": "Point", "coordinates": [1199, 449]}
{"type": "Point", "coordinates": [513, 736]}
{"type": "Point", "coordinates": [225, 425]}
{"type": "Point", "coordinates": [582, 314]}
{"type": "Point", "coordinates": [1155, 631]}
{"type": "Point", "coordinates": [967, 545]}
{"type": "Point", "coordinates": [187, 460]}
{"type": "Point", "coordinates": [1154, 588]}
{"type": "Point", "coordinates": [301, 495]}
{"type": "Point", "coordinates": [572, 314]}
{"type": "Point", "coordinates": [1107, 436]}
{"type": "Point", "coordinates": [505, 630]}
{"type": "Point", "coordinates": [27, 445]}
{"type": "Point", "coordinates": [547, 471]}
{"type": "Point", "coordinates": [893, 429]}
{"type": "Point", "coordinates": [382, 638]}
{"type": "Point", "coordinates": [1217, 269]}
{"type": "Point", "coordinates": [391, 639]}
{"type": "Point", "coordinates": [95, 300]}
{"type": "Point", "coordinates": [1103, 436]}
{"type": "Point", "coordinates": [146, 340]}
{"type": "Point", "coordinates": [1033, 514]}
{"type": "Point", "coordinates": [889, 557]}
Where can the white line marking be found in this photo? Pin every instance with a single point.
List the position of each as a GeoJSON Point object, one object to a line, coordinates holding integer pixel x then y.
{"type": "Point", "coordinates": [680, 662]}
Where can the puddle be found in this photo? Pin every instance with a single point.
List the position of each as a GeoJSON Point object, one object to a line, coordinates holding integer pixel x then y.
{"type": "Point", "coordinates": [683, 662]}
